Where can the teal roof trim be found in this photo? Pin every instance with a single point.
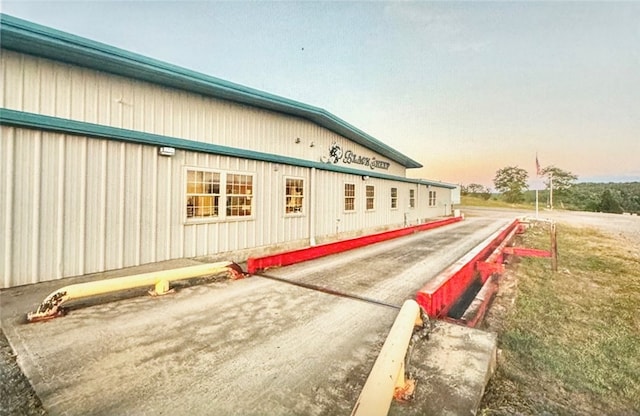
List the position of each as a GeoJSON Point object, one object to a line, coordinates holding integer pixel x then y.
{"type": "Point", "coordinates": [27, 37]}
{"type": "Point", "coordinates": [64, 126]}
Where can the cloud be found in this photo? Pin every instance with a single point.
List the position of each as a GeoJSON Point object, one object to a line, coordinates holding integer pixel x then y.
{"type": "Point", "coordinates": [424, 16]}
{"type": "Point", "coordinates": [446, 30]}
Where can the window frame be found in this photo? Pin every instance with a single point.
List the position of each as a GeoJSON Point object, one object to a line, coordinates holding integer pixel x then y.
{"type": "Point", "coordinates": [432, 198]}
{"type": "Point", "coordinates": [239, 196]}
{"type": "Point", "coordinates": [394, 197]}
{"type": "Point", "coordinates": [302, 197]}
{"type": "Point", "coordinates": [412, 198]}
{"type": "Point", "coordinates": [351, 197]}
{"type": "Point", "coordinates": [370, 200]}
{"type": "Point", "coordinates": [216, 196]}
{"type": "Point", "coordinates": [223, 195]}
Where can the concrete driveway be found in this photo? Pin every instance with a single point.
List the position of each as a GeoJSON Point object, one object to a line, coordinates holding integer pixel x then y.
{"type": "Point", "coordinates": [254, 346]}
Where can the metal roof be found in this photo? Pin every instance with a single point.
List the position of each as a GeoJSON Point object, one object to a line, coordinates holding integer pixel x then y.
{"type": "Point", "coordinates": [31, 38]}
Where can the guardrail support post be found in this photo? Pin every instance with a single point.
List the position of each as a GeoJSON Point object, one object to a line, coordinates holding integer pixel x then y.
{"type": "Point", "coordinates": [554, 248]}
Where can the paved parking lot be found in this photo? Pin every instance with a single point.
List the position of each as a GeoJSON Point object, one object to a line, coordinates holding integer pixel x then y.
{"type": "Point", "coordinates": [253, 346]}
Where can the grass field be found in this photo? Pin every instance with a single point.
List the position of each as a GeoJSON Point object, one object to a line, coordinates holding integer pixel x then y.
{"type": "Point", "coordinates": [570, 340]}
{"type": "Point", "coordinates": [493, 202]}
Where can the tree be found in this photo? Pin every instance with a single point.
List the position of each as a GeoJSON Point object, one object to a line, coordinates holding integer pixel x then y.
{"type": "Point", "coordinates": [609, 203]}
{"type": "Point", "coordinates": [563, 180]}
{"type": "Point", "coordinates": [512, 182]}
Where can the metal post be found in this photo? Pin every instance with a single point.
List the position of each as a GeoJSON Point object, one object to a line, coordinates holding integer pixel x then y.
{"type": "Point", "coordinates": [551, 191]}
{"type": "Point", "coordinates": [554, 248]}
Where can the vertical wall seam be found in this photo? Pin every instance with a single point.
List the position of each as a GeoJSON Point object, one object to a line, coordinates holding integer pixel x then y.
{"type": "Point", "coordinates": [60, 208]}
{"type": "Point", "coordinates": [154, 209]}
{"type": "Point", "coordinates": [139, 207]}
{"type": "Point", "coordinates": [35, 208]}
{"type": "Point", "coordinates": [9, 181]}
{"type": "Point", "coordinates": [121, 205]}
{"type": "Point", "coordinates": [103, 197]}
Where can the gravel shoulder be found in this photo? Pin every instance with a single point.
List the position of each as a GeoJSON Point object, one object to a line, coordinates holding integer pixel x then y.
{"type": "Point", "coordinates": [16, 394]}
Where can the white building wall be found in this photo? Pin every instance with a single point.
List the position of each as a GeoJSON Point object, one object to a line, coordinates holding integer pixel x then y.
{"type": "Point", "coordinates": [332, 220]}
{"type": "Point", "coordinates": [42, 86]}
{"type": "Point", "coordinates": [74, 205]}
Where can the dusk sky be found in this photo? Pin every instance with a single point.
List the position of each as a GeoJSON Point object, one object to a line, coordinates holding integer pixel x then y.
{"type": "Point", "coordinates": [465, 88]}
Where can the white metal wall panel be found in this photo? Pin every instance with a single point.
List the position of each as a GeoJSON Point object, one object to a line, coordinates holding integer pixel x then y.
{"type": "Point", "coordinates": [132, 204]}
{"type": "Point", "coordinates": [75, 178]}
{"type": "Point", "coordinates": [43, 86]}
{"type": "Point", "coordinates": [73, 205]}
{"type": "Point", "coordinates": [164, 229]}
{"type": "Point", "coordinates": [149, 224]}
{"type": "Point", "coordinates": [114, 205]}
{"type": "Point", "coordinates": [6, 204]}
{"type": "Point", "coordinates": [24, 224]}
{"type": "Point", "coordinates": [96, 204]}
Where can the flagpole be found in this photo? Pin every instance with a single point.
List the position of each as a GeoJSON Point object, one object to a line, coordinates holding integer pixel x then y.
{"type": "Point", "coordinates": [551, 190]}
{"type": "Point", "coordinates": [538, 184]}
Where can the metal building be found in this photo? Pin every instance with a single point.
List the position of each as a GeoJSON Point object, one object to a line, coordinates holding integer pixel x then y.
{"type": "Point", "coordinates": [109, 159]}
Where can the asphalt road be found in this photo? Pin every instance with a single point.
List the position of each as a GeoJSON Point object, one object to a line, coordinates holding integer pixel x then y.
{"type": "Point", "coordinates": [254, 346]}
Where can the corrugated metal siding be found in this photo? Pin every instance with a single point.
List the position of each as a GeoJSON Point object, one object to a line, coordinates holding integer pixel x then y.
{"type": "Point", "coordinates": [42, 86]}
{"type": "Point", "coordinates": [73, 205]}
{"type": "Point", "coordinates": [331, 217]}
{"type": "Point", "coordinates": [6, 204]}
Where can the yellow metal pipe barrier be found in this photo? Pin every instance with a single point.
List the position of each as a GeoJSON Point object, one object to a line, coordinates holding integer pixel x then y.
{"type": "Point", "coordinates": [387, 373]}
{"type": "Point", "coordinates": [50, 307]}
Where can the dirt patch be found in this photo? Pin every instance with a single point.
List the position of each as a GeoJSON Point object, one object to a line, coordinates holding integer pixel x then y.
{"type": "Point", "coordinates": [16, 394]}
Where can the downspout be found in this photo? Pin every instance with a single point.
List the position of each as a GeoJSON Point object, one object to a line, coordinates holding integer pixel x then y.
{"type": "Point", "coordinates": [312, 208]}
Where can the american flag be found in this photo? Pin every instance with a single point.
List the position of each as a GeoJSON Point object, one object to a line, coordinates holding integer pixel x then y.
{"type": "Point", "coordinates": [538, 172]}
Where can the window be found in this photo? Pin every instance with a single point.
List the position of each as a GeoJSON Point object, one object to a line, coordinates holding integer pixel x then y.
{"type": "Point", "coordinates": [371, 194]}
{"type": "Point", "coordinates": [215, 195]}
{"type": "Point", "coordinates": [239, 195]}
{"type": "Point", "coordinates": [203, 194]}
{"type": "Point", "coordinates": [412, 198]}
{"type": "Point", "coordinates": [394, 198]}
{"type": "Point", "coordinates": [294, 194]}
{"type": "Point", "coordinates": [349, 197]}
{"type": "Point", "coordinates": [432, 198]}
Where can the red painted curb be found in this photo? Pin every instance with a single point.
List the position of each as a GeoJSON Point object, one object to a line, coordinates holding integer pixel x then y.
{"type": "Point", "coordinates": [256, 264]}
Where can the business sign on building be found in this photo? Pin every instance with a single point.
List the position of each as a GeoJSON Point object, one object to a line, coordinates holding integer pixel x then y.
{"type": "Point", "coordinates": [349, 157]}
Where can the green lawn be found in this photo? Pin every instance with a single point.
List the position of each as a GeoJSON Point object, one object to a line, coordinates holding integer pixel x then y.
{"type": "Point", "coordinates": [493, 202]}
{"type": "Point", "coordinates": [570, 342]}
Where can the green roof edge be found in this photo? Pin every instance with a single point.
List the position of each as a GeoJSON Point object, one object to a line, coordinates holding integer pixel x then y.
{"type": "Point", "coordinates": [22, 119]}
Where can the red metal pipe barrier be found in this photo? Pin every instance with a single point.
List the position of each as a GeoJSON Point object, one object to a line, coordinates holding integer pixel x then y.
{"type": "Point", "coordinates": [256, 264]}
{"type": "Point", "coordinates": [527, 252]}
{"type": "Point", "coordinates": [441, 292]}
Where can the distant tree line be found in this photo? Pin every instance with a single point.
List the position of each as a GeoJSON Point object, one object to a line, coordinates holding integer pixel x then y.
{"type": "Point", "coordinates": [511, 184]}
{"type": "Point", "coordinates": [595, 197]}
{"type": "Point", "coordinates": [477, 190]}
{"type": "Point", "coordinates": [605, 197]}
